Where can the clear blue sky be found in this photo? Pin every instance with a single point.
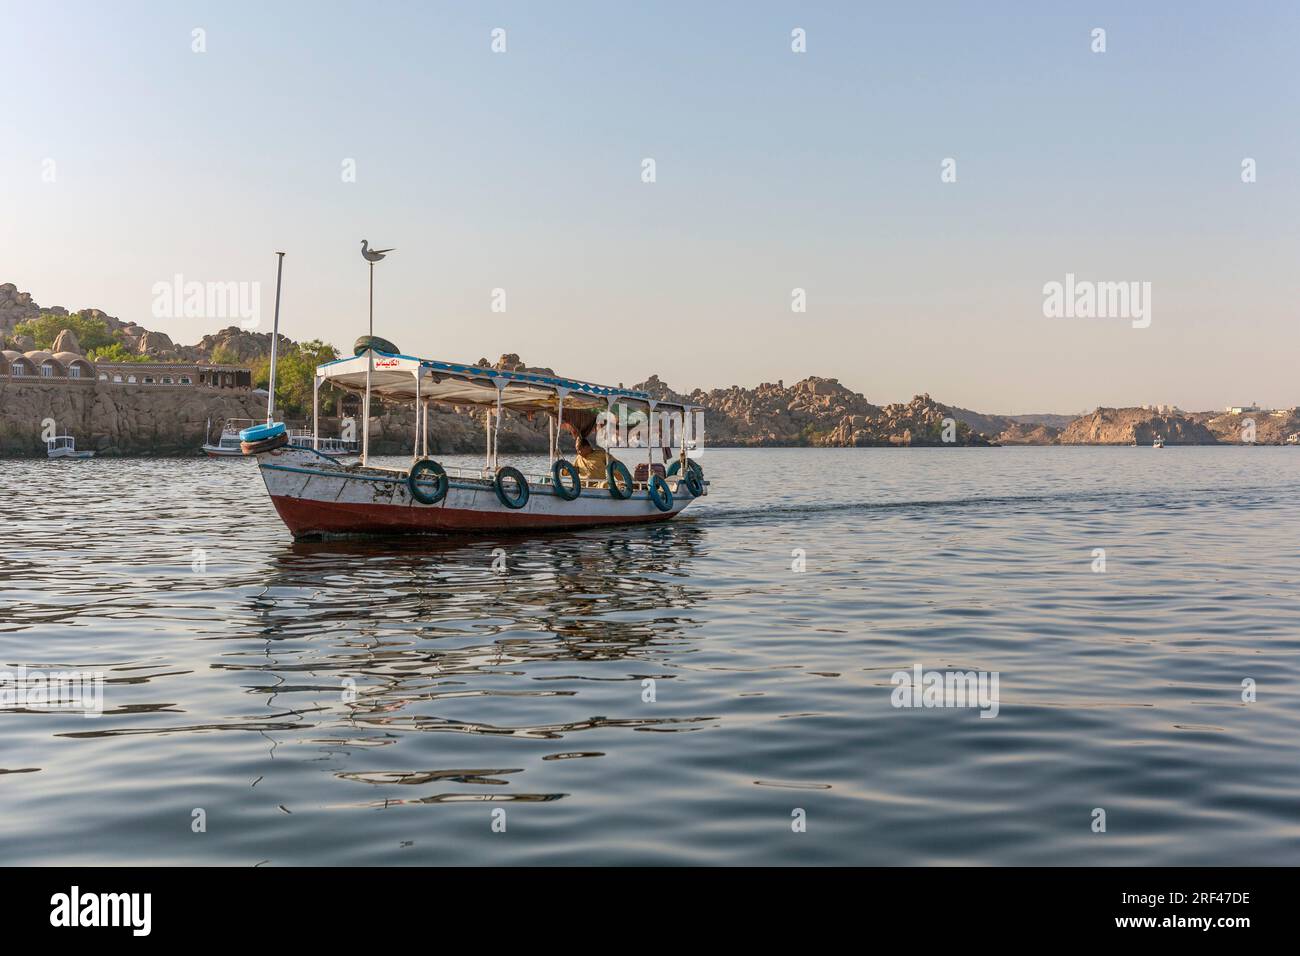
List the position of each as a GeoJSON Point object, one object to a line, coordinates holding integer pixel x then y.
{"type": "Point", "coordinates": [775, 170]}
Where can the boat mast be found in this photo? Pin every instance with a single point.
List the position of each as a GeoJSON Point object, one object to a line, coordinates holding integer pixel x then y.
{"type": "Point", "coordinates": [275, 338]}
{"type": "Point", "coordinates": [370, 367]}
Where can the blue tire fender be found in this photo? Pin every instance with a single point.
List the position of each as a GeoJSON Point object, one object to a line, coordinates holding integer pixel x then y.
{"type": "Point", "coordinates": [514, 475]}
{"type": "Point", "coordinates": [564, 467]}
{"type": "Point", "coordinates": [419, 489]}
{"type": "Point", "coordinates": [615, 472]}
{"type": "Point", "coordinates": [660, 493]}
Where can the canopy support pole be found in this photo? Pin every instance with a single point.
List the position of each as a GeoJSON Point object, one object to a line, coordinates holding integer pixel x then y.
{"type": "Point", "coordinates": [425, 448]}
{"type": "Point", "coordinates": [415, 446]}
{"type": "Point", "coordinates": [649, 441]}
{"type": "Point", "coordinates": [315, 412]}
{"type": "Point", "coordinates": [559, 417]}
{"type": "Point", "coordinates": [496, 432]}
{"type": "Point", "coordinates": [487, 432]}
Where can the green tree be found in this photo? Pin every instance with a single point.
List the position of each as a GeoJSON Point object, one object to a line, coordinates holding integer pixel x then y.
{"type": "Point", "coordinates": [224, 355]}
{"type": "Point", "coordinates": [116, 352]}
{"type": "Point", "coordinates": [45, 328]}
{"type": "Point", "coordinates": [295, 371]}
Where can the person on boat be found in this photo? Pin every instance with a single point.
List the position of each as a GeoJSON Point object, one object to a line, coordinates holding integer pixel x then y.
{"type": "Point", "coordinates": [592, 462]}
{"type": "Point", "coordinates": [590, 459]}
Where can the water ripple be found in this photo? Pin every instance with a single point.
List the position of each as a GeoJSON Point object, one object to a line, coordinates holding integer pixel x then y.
{"type": "Point", "coordinates": [728, 669]}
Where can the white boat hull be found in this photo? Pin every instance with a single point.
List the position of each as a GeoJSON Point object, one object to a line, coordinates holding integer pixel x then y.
{"type": "Point", "coordinates": [216, 451]}
{"type": "Point", "coordinates": [315, 496]}
{"type": "Point", "coordinates": [220, 451]}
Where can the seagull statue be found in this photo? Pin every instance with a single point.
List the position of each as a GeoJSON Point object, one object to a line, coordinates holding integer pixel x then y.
{"type": "Point", "coordinates": [372, 255]}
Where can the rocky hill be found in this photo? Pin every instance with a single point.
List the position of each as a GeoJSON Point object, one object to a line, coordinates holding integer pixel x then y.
{"type": "Point", "coordinates": [1270, 427]}
{"type": "Point", "coordinates": [1128, 426]}
{"type": "Point", "coordinates": [819, 412]}
{"type": "Point", "coordinates": [1025, 433]}
{"type": "Point", "coordinates": [244, 346]}
{"type": "Point", "coordinates": [16, 307]}
{"type": "Point", "coordinates": [241, 345]}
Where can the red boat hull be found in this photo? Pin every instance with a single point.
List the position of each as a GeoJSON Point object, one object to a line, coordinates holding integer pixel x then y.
{"type": "Point", "coordinates": [305, 517]}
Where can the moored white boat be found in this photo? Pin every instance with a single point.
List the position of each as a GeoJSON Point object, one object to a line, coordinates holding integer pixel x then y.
{"type": "Point", "coordinates": [65, 446]}
{"type": "Point", "coordinates": [228, 445]}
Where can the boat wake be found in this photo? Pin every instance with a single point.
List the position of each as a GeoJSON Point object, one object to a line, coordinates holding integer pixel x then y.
{"type": "Point", "coordinates": [1063, 501]}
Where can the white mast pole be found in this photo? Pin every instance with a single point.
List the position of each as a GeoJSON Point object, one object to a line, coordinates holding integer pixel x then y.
{"type": "Point", "coordinates": [370, 366]}
{"type": "Point", "coordinates": [275, 339]}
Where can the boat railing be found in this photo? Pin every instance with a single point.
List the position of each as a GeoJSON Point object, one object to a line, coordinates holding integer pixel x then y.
{"type": "Point", "coordinates": [302, 437]}
{"type": "Point", "coordinates": [486, 475]}
{"type": "Point", "coordinates": [233, 426]}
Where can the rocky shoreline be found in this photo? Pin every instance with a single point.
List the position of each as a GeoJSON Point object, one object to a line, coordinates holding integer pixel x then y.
{"type": "Point", "coordinates": [813, 412]}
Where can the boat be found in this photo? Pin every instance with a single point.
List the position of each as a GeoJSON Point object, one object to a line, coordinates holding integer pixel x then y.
{"type": "Point", "coordinates": [227, 446]}
{"type": "Point", "coordinates": [65, 446]}
{"type": "Point", "coordinates": [317, 496]}
{"type": "Point", "coordinates": [1158, 443]}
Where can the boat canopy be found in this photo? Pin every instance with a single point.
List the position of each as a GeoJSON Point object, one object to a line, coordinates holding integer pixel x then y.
{"type": "Point", "coordinates": [395, 378]}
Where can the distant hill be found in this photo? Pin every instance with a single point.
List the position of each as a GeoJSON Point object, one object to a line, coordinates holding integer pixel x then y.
{"type": "Point", "coordinates": [239, 344]}
{"type": "Point", "coordinates": [1141, 426]}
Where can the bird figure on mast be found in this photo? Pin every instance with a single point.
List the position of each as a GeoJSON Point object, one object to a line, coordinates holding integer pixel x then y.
{"type": "Point", "coordinates": [372, 255]}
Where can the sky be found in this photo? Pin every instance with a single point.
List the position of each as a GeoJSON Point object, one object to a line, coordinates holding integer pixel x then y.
{"type": "Point", "coordinates": [130, 158]}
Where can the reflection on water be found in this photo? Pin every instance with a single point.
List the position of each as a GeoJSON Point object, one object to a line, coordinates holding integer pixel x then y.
{"type": "Point", "coordinates": [669, 693]}
{"type": "Point", "coordinates": [600, 597]}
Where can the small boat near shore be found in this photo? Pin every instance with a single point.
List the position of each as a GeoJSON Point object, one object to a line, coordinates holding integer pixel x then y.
{"type": "Point", "coordinates": [65, 446]}
{"type": "Point", "coordinates": [227, 445]}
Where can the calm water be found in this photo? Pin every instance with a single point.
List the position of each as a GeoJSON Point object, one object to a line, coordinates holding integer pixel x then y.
{"type": "Point", "coordinates": [479, 691]}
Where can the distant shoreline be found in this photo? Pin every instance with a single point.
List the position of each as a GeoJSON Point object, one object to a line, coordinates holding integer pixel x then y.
{"type": "Point", "coordinates": [107, 414]}
{"type": "Point", "coordinates": [200, 456]}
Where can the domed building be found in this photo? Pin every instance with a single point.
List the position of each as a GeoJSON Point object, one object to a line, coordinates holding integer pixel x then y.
{"type": "Point", "coordinates": [41, 364]}
{"type": "Point", "coordinates": [75, 366]}
{"type": "Point", "coordinates": [64, 363]}
{"type": "Point", "coordinates": [15, 364]}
